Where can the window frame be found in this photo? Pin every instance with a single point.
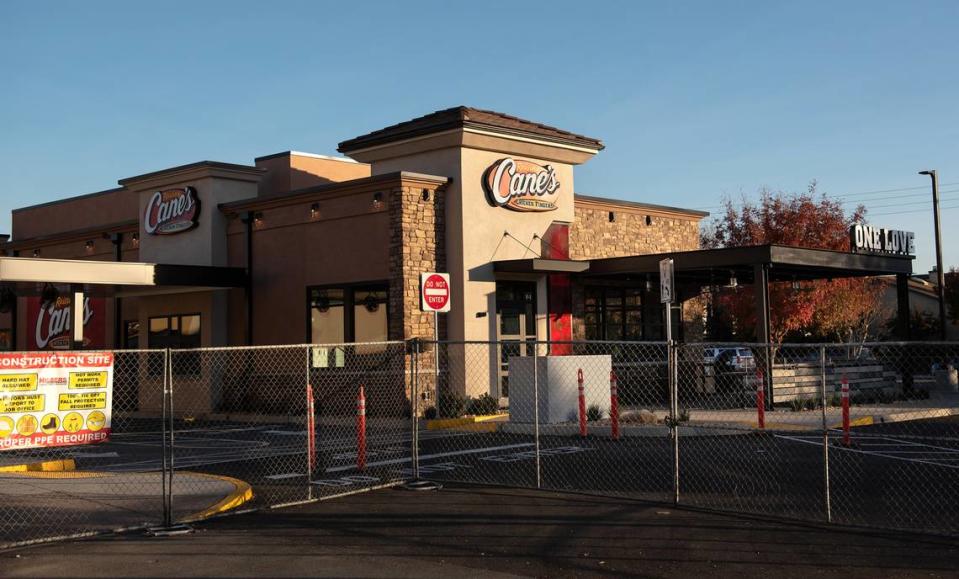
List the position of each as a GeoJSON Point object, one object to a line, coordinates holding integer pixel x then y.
{"type": "Point", "coordinates": [600, 312]}
{"type": "Point", "coordinates": [349, 302]}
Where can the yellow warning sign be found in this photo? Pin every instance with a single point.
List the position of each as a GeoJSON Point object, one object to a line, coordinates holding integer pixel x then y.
{"type": "Point", "coordinates": [18, 382]}
{"type": "Point", "coordinates": [50, 423]}
{"type": "Point", "coordinates": [96, 420]}
{"type": "Point", "coordinates": [6, 426]}
{"type": "Point", "coordinates": [81, 380]}
{"type": "Point", "coordinates": [22, 403]}
{"type": "Point", "coordinates": [72, 422]}
{"type": "Point", "coordinates": [82, 401]}
{"type": "Point", "coordinates": [27, 425]}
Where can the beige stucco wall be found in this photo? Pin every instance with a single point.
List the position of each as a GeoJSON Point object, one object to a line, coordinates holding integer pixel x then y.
{"type": "Point", "coordinates": [475, 228]}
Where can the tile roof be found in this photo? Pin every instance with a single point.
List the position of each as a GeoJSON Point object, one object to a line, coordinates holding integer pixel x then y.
{"type": "Point", "coordinates": [458, 117]}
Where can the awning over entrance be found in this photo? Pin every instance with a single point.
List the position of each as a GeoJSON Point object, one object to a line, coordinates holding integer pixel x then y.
{"type": "Point", "coordinates": [759, 265]}
{"type": "Point", "coordinates": [108, 277]}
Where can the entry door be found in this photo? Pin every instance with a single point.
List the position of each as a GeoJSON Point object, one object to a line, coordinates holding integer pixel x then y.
{"type": "Point", "coordinates": [515, 325]}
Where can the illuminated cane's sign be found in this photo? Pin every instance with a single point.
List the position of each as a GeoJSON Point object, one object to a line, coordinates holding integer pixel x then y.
{"type": "Point", "coordinates": [521, 185]}
{"type": "Point", "coordinates": [50, 323]}
{"type": "Point", "coordinates": [870, 239]}
{"type": "Point", "coordinates": [171, 211]}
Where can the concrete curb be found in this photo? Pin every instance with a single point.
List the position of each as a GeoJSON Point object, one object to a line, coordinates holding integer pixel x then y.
{"type": "Point", "coordinates": [242, 493]}
{"type": "Point", "coordinates": [65, 465]}
{"type": "Point", "coordinates": [457, 423]}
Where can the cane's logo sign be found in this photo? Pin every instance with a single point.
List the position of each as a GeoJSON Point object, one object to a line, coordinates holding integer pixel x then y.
{"type": "Point", "coordinates": [171, 211]}
{"type": "Point", "coordinates": [53, 324]}
{"type": "Point", "coordinates": [521, 185]}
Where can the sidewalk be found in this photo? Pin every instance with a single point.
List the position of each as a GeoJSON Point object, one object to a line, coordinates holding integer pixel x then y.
{"type": "Point", "coordinates": [491, 532]}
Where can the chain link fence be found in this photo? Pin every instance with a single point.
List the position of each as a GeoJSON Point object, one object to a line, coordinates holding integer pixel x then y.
{"type": "Point", "coordinates": [742, 428]}
{"type": "Point", "coordinates": [864, 435]}
{"type": "Point", "coordinates": [200, 432]}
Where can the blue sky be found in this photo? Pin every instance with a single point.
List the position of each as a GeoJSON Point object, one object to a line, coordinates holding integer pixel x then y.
{"type": "Point", "coordinates": [694, 100]}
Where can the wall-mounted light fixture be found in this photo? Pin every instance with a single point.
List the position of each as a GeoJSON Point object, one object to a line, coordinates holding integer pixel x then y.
{"type": "Point", "coordinates": [315, 211]}
{"type": "Point", "coordinates": [377, 200]}
{"type": "Point", "coordinates": [732, 279]}
{"type": "Point", "coordinates": [649, 283]}
{"type": "Point", "coordinates": [258, 219]}
{"type": "Point", "coordinates": [612, 216]}
{"type": "Point", "coordinates": [649, 220]}
{"type": "Point", "coordinates": [136, 240]}
{"type": "Point", "coordinates": [89, 246]}
{"type": "Point", "coordinates": [36, 253]}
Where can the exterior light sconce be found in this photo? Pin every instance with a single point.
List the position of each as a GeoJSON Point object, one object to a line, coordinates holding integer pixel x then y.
{"type": "Point", "coordinates": [649, 220]}
{"type": "Point", "coordinates": [136, 240]}
{"type": "Point", "coordinates": [377, 200]}
{"type": "Point", "coordinates": [258, 219]}
{"type": "Point", "coordinates": [36, 253]}
{"type": "Point", "coordinates": [315, 211]}
{"type": "Point", "coordinates": [732, 280]}
{"type": "Point", "coordinates": [649, 283]}
{"type": "Point", "coordinates": [89, 246]}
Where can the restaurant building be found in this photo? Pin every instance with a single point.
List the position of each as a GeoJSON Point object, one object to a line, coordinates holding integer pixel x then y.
{"type": "Point", "coordinates": [306, 248]}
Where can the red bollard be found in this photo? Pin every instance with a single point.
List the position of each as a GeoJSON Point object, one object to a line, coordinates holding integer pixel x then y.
{"type": "Point", "coordinates": [760, 399]}
{"type": "Point", "coordinates": [582, 404]}
{"type": "Point", "coordinates": [361, 430]}
{"type": "Point", "coordinates": [845, 410]}
{"type": "Point", "coordinates": [613, 405]}
{"type": "Point", "coordinates": [310, 429]}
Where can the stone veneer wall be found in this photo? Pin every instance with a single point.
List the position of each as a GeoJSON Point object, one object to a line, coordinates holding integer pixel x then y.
{"type": "Point", "coordinates": [593, 236]}
{"type": "Point", "coordinates": [417, 233]}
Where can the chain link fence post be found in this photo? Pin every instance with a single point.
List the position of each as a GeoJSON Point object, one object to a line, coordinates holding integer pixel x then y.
{"type": "Point", "coordinates": [672, 359]}
{"type": "Point", "coordinates": [165, 436]}
{"type": "Point", "coordinates": [414, 407]}
{"type": "Point", "coordinates": [539, 478]}
{"type": "Point", "coordinates": [825, 433]}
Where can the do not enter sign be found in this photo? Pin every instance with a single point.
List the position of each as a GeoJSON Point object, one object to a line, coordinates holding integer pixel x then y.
{"type": "Point", "coordinates": [435, 292]}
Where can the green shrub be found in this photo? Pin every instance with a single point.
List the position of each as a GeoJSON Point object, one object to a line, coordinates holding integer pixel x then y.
{"type": "Point", "coordinates": [796, 404]}
{"type": "Point", "coordinates": [482, 405]}
{"type": "Point", "coordinates": [451, 405]}
{"type": "Point", "coordinates": [810, 403]}
{"type": "Point", "coordinates": [594, 413]}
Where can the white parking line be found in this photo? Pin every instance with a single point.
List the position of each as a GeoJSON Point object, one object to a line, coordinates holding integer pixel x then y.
{"type": "Point", "coordinates": [894, 449]}
{"type": "Point", "coordinates": [437, 455]}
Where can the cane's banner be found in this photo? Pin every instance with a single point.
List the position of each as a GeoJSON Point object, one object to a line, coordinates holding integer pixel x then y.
{"type": "Point", "coordinates": [55, 398]}
{"type": "Point", "coordinates": [521, 185]}
{"type": "Point", "coordinates": [171, 211]}
{"type": "Point", "coordinates": [48, 325]}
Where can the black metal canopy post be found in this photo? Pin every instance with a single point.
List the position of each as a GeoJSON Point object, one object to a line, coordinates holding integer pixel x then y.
{"type": "Point", "coordinates": [763, 331]}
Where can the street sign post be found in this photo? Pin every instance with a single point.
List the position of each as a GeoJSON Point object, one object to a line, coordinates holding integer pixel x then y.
{"type": "Point", "coordinates": [435, 297]}
{"type": "Point", "coordinates": [666, 281]}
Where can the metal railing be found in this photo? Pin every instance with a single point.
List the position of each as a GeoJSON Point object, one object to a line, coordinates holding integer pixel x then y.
{"type": "Point", "coordinates": [741, 428]}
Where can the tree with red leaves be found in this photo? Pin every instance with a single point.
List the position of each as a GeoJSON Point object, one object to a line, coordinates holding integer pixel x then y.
{"type": "Point", "coordinates": [846, 309]}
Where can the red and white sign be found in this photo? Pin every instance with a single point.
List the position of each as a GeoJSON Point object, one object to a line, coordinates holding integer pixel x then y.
{"type": "Point", "coordinates": [521, 185]}
{"type": "Point", "coordinates": [435, 292]}
{"type": "Point", "coordinates": [55, 398]}
{"type": "Point", "coordinates": [171, 211]}
{"type": "Point", "coordinates": [49, 327]}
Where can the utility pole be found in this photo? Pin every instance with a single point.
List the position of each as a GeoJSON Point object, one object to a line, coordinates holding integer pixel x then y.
{"type": "Point", "coordinates": [940, 274]}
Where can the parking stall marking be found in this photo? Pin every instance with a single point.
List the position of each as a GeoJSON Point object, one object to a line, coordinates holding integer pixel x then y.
{"type": "Point", "coordinates": [890, 447]}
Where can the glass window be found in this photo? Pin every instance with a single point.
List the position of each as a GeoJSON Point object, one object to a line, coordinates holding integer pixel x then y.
{"type": "Point", "coordinates": [616, 313]}
{"type": "Point", "coordinates": [131, 334]}
{"type": "Point", "coordinates": [177, 332]}
{"type": "Point", "coordinates": [350, 314]}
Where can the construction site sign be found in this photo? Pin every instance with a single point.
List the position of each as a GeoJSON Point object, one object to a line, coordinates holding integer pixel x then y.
{"type": "Point", "coordinates": [54, 398]}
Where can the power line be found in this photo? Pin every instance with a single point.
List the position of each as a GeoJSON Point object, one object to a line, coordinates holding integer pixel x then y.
{"type": "Point", "coordinates": [914, 211]}
{"type": "Point", "coordinates": [853, 197]}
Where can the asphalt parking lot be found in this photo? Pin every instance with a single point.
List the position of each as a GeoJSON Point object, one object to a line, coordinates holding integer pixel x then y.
{"type": "Point", "coordinates": [888, 478]}
{"type": "Point", "coordinates": [468, 531]}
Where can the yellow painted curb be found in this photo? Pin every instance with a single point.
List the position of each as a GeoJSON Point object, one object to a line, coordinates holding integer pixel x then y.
{"type": "Point", "coordinates": [58, 466]}
{"type": "Point", "coordinates": [445, 423]}
{"type": "Point", "coordinates": [242, 493]}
